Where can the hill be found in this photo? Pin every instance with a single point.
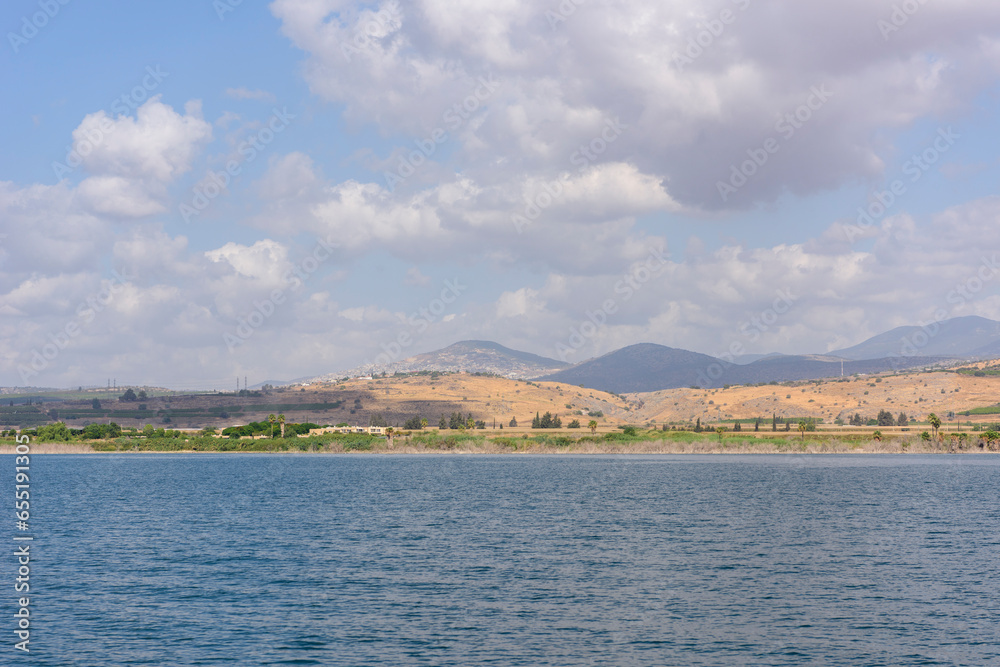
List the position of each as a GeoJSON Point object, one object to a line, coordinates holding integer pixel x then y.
{"type": "Point", "coordinates": [963, 337]}
{"type": "Point", "coordinates": [649, 367]}
{"type": "Point", "coordinates": [356, 402]}
{"type": "Point", "coordinates": [914, 393]}
{"type": "Point", "coordinates": [470, 356]}
{"type": "Point", "coordinates": [497, 400]}
{"type": "Point", "coordinates": [638, 368]}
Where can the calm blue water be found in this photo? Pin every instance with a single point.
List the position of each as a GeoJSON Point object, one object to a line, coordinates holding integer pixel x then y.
{"type": "Point", "coordinates": [475, 560]}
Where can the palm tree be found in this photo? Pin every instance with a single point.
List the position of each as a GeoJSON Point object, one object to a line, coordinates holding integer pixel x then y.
{"type": "Point", "coordinates": [592, 426]}
{"type": "Point", "coordinates": [271, 418]}
{"type": "Point", "coordinates": [935, 423]}
{"type": "Point", "coordinates": [802, 429]}
{"type": "Point", "coordinates": [720, 430]}
{"type": "Point", "coordinates": [388, 434]}
{"type": "Point", "coordinates": [423, 423]}
{"type": "Point", "coordinates": [281, 420]}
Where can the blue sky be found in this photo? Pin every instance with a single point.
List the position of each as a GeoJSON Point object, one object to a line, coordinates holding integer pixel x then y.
{"type": "Point", "coordinates": [337, 94]}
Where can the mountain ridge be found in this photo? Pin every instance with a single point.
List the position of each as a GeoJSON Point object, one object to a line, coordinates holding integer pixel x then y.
{"type": "Point", "coordinates": [474, 356]}
{"type": "Point", "coordinates": [651, 366]}
{"type": "Point", "coordinates": [960, 337]}
{"type": "Point", "coordinates": [646, 367]}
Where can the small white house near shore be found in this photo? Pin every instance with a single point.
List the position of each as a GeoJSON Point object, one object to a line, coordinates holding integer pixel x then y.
{"type": "Point", "coordinates": [370, 430]}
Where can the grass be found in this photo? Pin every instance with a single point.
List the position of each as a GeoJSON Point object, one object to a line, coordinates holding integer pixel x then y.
{"type": "Point", "coordinates": [615, 442]}
{"type": "Point", "coordinates": [989, 410]}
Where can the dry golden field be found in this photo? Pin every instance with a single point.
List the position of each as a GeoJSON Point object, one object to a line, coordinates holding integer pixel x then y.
{"type": "Point", "coordinates": [916, 394]}
{"type": "Point", "coordinates": [357, 401]}
{"type": "Point", "coordinates": [487, 398]}
{"type": "Point", "coordinates": [492, 398]}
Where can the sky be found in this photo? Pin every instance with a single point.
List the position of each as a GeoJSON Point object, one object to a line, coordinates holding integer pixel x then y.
{"type": "Point", "coordinates": [201, 190]}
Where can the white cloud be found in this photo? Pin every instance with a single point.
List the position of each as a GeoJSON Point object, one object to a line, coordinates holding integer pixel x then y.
{"type": "Point", "coordinates": [557, 219]}
{"type": "Point", "coordinates": [132, 160]}
{"type": "Point", "coordinates": [158, 144]}
{"type": "Point", "coordinates": [265, 260]}
{"type": "Point", "coordinates": [48, 231]}
{"type": "Point", "coordinates": [118, 196]}
{"type": "Point", "coordinates": [519, 303]}
{"type": "Point", "coordinates": [687, 125]}
{"type": "Point", "coordinates": [415, 278]}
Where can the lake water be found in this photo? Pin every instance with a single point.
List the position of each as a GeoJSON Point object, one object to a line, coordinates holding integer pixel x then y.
{"type": "Point", "coordinates": [512, 560]}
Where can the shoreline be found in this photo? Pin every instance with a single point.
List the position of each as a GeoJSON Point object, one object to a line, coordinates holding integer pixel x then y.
{"type": "Point", "coordinates": [639, 448]}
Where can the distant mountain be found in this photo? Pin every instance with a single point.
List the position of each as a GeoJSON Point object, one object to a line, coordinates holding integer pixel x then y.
{"type": "Point", "coordinates": [472, 356]}
{"type": "Point", "coordinates": [640, 367]}
{"type": "Point", "coordinates": [750, 358]}
{"type": "Point", "coordinates": [990, 351]}
{"type": "Point", "coordinates": [814, 367]}
{"type": "Point", "coordinates": [650, 367]}
{"type": "Point", "coordinates": [959, 337]}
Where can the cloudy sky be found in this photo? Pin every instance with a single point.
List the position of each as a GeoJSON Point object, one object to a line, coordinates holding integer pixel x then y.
{"type": "Point", "coordinates": [194, 191]}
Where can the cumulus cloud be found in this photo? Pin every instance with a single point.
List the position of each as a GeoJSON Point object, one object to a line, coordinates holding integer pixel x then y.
{"type": "Point", "coordinates": [174, 314]}
{"type": "Point", "coordinates": [158, 143]}
{"type": "Point", "coordinates": [48, 231]}
{"type": "Point", "coordinates": [132, 160]}
{"type": "Point", "coordinates": [691, 113]}
{"type": "Point", "coordinates": [564, 138]}
{"type": "Point", "coordinates": [531, 219]}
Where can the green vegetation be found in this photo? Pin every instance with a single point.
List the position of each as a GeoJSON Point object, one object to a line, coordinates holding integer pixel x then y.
{"type": "Point", "coordinates": [546, 421]}
{"type": "Point", "coordinates": [24, 415]}
{"type": "Point", "coordinates": [991, 370]}
{"type": "Point", "coordinates": [102, 438]}
{"type": "Point", "coordinates": [988, 410]}
{"type": "Point", "coordinates": [257, 429]}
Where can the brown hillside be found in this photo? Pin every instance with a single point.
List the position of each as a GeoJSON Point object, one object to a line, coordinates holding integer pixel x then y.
{"type": "Point", "coordinates": [396, 399]}
{"type": "Point", "coordinates": [916, 394]}
{"type": "Point", "coordinates": [487, 398]}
